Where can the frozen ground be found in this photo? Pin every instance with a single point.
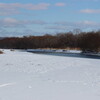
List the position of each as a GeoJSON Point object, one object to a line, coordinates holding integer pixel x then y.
{"type": "Point", "coordinates": [28, 76]}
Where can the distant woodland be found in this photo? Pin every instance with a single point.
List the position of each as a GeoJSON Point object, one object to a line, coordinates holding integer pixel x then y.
{"type": "Point", "coordinates": [85, 41]}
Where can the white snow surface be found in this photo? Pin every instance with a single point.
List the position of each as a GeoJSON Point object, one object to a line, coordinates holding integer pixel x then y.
{"type": "Point", "coordinates": [29, 76]}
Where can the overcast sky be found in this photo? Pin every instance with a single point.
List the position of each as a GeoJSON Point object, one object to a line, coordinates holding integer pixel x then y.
{"type": "Point", "coordinates": [38, 17]}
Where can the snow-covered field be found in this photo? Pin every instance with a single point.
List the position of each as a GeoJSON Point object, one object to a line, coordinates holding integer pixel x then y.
{"type": "Point", "coordinates": [28, 76]}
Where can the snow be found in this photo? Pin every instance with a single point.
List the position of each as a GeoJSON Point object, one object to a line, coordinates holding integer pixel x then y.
{"type": "Point", "coordinates": [54, 50]}
{"type": "Point", "coordinates": [30, 76]}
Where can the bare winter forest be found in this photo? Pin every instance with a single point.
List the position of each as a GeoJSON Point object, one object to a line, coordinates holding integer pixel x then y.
{"type": "Point", "coordinates": [85, 41]}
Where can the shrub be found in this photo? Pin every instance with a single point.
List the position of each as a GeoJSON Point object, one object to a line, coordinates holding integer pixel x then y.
{"type": "Point", "coordinates": [1, 52]}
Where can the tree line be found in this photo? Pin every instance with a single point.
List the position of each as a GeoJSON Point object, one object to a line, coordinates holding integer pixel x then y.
{"type": "Point", "coordinates": [86, 41]}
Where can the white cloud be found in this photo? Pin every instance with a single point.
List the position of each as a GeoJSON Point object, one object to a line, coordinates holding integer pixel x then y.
{"type": "Point", "coordinates": [74, 25]}
{"type": "Point", "coordinates": [40, 6]}
{"type": "Point", "coordinates": [90, 11]}
{"type": "Point", "coordinates": [86, 22]}
{"type": "Point", "coordinates": [15, 27]}
{"type": "Point", "coordinates": [14, 8]}
{"type": "Point", "coordinates": [11, 22]}
{"type": "Point", "coordinates": [60, 4]}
